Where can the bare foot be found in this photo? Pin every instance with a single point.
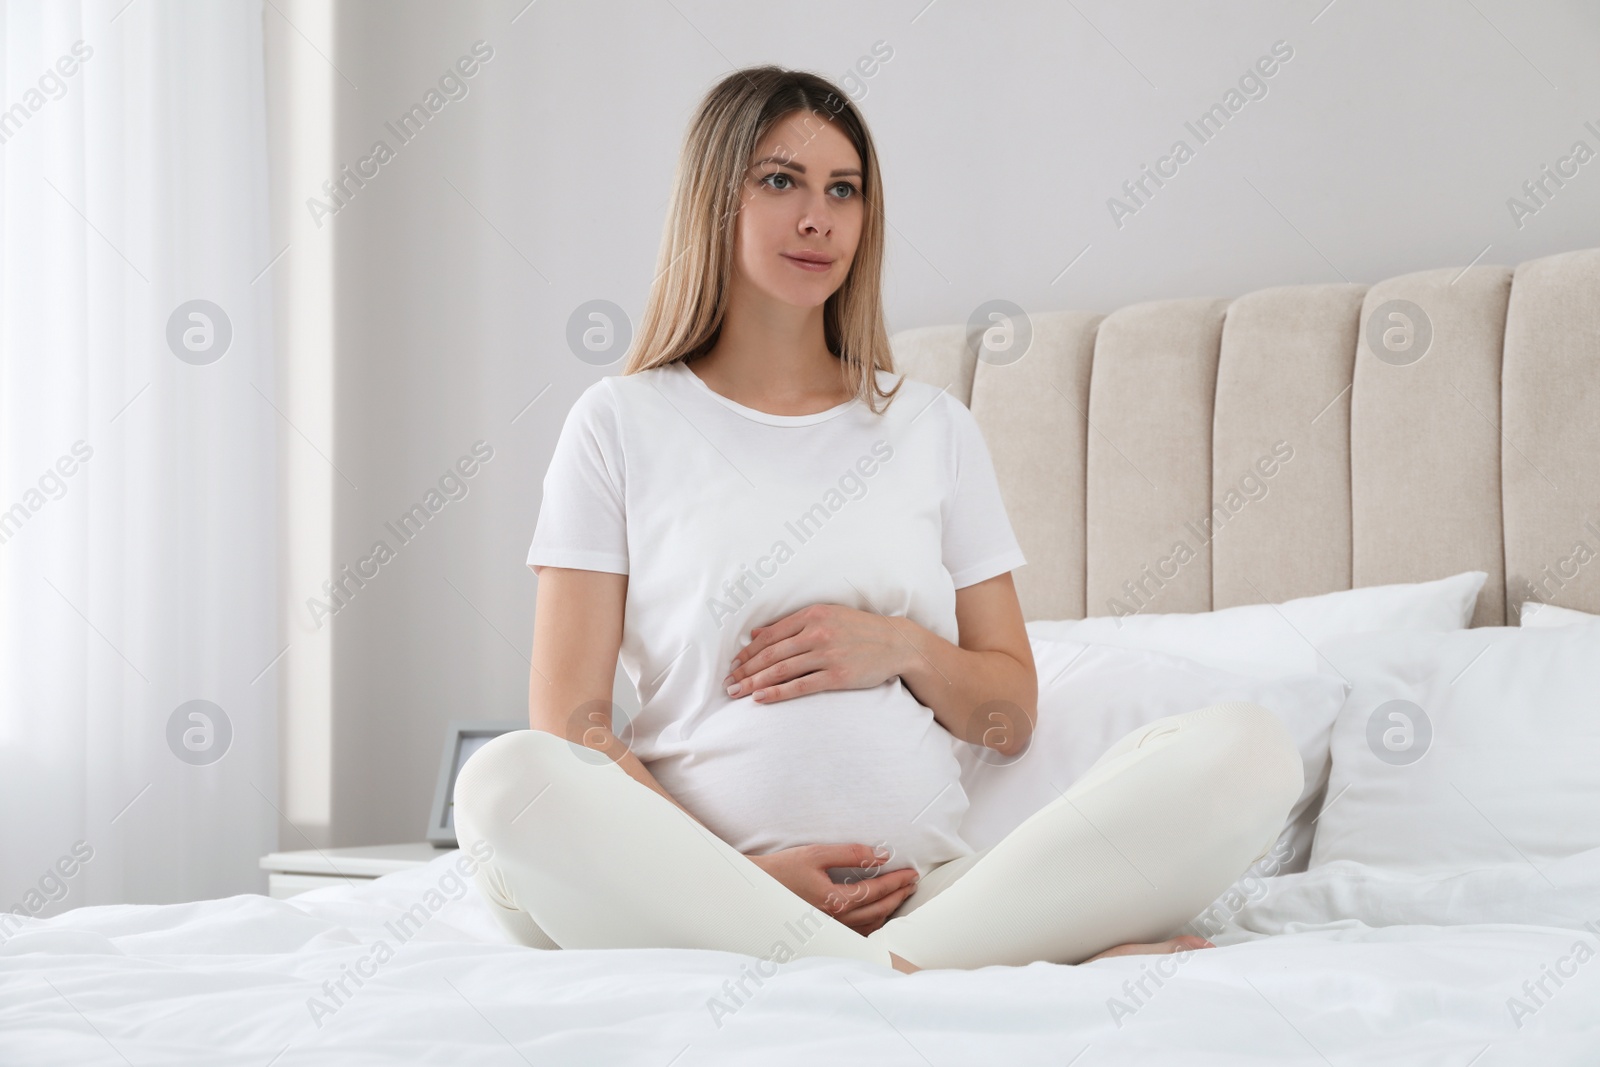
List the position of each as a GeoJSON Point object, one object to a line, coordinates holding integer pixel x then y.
{"type": "Point", "coordinates": [903, 965]}
{"type": "Point", "coordinates": [1158, 948]}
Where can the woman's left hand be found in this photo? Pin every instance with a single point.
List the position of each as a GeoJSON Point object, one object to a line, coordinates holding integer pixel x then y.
{"type": "Point", "coordinates": [822, 646]}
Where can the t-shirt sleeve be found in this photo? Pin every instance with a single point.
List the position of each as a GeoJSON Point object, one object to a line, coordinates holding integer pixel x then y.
{"type": "Point", "coordinates": [978, 539]}
{"type": "Point", "coordinates": [582, 523]}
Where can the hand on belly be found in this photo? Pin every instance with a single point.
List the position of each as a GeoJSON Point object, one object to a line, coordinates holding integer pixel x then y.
{"type": "Point", "coordinates": [861, 648]}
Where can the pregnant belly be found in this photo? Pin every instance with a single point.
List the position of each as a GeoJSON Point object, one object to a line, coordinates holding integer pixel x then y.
{"type": "Point", "coordinates": [856, 766]}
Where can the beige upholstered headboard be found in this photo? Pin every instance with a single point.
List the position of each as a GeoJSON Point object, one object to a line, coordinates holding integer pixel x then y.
{"type": "Point", "coordinates": [1318, 465]}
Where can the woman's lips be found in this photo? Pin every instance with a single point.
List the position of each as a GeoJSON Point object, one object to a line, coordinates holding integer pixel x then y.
{"type": "Point", "coordinates": [806, 264]}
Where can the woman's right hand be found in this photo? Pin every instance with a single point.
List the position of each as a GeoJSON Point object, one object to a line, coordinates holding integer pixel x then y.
{"type": "Point", "coordinates": [864, 905]}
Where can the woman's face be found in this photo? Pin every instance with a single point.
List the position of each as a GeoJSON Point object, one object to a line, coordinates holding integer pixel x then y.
{"type": "Point", "coordinates": [801, 203]}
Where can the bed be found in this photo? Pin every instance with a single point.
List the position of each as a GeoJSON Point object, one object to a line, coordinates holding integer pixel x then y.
{"type": "Point", "coordinates": [232, 981]}
{"type": "Point", "coordinates": [1461, 437]}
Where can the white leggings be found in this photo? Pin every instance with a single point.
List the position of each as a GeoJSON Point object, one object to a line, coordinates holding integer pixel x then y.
{"type": "Point", "coordinates": [585, 856]}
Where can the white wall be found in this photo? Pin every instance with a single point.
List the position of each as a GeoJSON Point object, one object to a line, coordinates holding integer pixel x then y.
{"type": "Point", "coordinates": [1389, 142]}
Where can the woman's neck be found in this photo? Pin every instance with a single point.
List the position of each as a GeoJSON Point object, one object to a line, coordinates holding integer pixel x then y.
{"type": "Point", "coordinates": [778, 363]}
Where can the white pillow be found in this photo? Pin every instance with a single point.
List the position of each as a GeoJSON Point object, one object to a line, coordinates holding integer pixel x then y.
{"type": "Point", "coordinates": [1268, 640]}
{"type": "Point", "coordinates": [1091, 696]}
{"type": "Point", "coordinates": [1537, 614]}
{"type": "Point", "coordinates": [1491, 760]}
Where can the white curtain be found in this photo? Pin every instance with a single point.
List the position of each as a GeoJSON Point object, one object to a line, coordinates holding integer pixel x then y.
{"type": "Point", "coordinates": [138, 482]}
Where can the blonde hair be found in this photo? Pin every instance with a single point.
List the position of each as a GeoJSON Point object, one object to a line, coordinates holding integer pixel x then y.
{"type": "Point", "coordinates": [688, 298]}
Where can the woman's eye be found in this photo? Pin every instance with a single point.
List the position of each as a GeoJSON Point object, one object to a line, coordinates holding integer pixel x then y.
{"type": "Point", "coordinates": [776, 176]}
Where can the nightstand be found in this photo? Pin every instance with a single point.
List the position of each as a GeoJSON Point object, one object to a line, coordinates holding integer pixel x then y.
{"type": "Point", "coordinates": [289, 873]}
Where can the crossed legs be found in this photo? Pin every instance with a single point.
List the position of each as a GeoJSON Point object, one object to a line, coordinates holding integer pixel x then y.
{"type": "Point", "coordinates": [584, 856]}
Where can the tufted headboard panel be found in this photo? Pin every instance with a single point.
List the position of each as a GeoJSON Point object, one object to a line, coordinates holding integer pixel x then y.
{"type": "Point", "coordinates": [1188, 455]}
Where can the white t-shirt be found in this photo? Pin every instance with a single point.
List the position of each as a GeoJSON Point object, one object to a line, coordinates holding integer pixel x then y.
{"type": "Point", "coordinates": [725, 519]}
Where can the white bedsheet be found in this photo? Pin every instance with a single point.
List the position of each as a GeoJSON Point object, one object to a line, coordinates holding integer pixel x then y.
{"type": "Point", "coordinates": [1339, 965]}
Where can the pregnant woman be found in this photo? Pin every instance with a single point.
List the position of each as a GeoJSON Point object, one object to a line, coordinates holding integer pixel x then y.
{"type": "Point", "coordinates": [804, 562]}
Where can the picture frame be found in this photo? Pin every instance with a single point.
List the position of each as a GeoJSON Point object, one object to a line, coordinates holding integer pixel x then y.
{"type": "Point", "coordinates": [462, 738]}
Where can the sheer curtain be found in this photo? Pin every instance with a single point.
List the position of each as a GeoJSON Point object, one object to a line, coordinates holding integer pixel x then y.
{"type": "Point", "coordinates": [138, 481]}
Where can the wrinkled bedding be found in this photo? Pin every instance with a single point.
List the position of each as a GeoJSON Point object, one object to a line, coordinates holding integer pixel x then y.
{"type": "Point", "coordinates": [1340, 964]}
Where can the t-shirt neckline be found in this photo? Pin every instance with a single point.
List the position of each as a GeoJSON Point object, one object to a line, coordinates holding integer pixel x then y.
{"type": "Point", "coordinates": [756, 415]}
